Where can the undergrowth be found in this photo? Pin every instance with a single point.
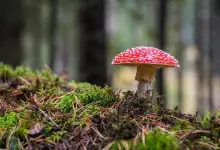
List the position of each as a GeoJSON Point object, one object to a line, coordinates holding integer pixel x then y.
{"type": "Point", "coordinates": [40, 110]}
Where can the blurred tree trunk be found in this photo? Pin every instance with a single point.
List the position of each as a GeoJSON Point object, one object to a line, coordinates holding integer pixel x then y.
{"type": "Point", "coordinates": [214, 55]}
{"type": "Point", "coordinates": [203, 42]}
{"type": "Point", "coordinates": [11, 19]}
{"type": "Point", "coordinates": [179, 49]}
{"type": "Point", "coordinates": [36, 29]}
{"type": "Point", "coordinates": [92, 44]}
{"type": "Point", "coordinates": [162, 13]}
{"type": "Point", "coordinates": [208, 20]}
{"type": "Point", "coordinates": [33, 21]}
{"type": "Point", "coordinates": [53, 27]}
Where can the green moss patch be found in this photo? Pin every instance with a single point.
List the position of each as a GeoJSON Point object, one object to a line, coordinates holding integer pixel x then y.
{"type": "Point", "coordinates": [40, 110]}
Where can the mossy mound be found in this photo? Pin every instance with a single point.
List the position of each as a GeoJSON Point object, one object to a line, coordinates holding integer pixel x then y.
{"type": "Point", "coordinates": [40, 110]}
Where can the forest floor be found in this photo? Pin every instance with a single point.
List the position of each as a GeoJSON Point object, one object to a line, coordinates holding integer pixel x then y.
{"type": "Point", "coordinates": [40, 110]}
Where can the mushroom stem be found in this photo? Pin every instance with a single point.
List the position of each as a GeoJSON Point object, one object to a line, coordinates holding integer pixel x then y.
{"type": "Point", "coordinates": [146, 76]}
{"type": "Point", "coordinates": [144, 87]}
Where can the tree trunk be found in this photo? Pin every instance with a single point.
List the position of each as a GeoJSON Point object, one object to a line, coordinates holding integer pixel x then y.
{"type": "Point", "coordinates": [92, 45]}
{"type": "Point", "coordinates": [203, 42]}
{"type": "Point", "coordinates": [179, 49]}
{"type": "Point", "coordinates": [53, 27]}
{"type": "Point", "coordinates": [161, 41]}
{"type": "Point", "coordinates": [33, 32]}
{"type": "Point", "coordinates": [11, 20]}
{"type": "Point", "coordinates": [214, 55]}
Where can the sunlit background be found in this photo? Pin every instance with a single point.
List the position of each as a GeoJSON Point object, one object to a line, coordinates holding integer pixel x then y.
{"type": "Point", "coordinates": [79, 38]}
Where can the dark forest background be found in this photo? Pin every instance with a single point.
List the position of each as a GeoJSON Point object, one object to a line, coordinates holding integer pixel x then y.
{"type": "Point", "coordinates": [79, 38]}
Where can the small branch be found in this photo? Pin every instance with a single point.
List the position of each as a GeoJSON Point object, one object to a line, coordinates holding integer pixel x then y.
{"type": "Point", "coordinates": [193, 132]}
{"type": "Point", "coordinates": [49, 119]}
{"type": "Point", "coordinates": [28, 143]}
{"type": "Point", "coordinates": [207, 145]}
{"type": "Point", "coordinates": [100, 135]}
{"type": "Point", "coordinates": [107, 147]}
{"type": "Point", "coordinates": [174, 117]}
{"type": "Point", "coordinates": [164, 130]}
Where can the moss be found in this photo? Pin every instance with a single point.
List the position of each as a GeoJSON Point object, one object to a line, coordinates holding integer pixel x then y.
{"type": "Point", "coordinates": [12, 128]}
{"type": "Point", "coordinates": [6, 72]}
{"type": "Point", "coordinates": [66, 103]}
{"type": "Point", "coordinates": [8, 120]}
{"type": "Point", "coordinates": [206, 120]}
{"type": "Point", "coordinates": [182, 125]}
{"type": "Point", "coordinates": [87, 94]}
{"type": "Point", "coordinates": [57, 136]}
{"type": "Point", "coordinates": [159, 140]}
{"type": "Point", "coordinates": [153, 140]}
{"type": "Point", "coordinates": [23, 71]}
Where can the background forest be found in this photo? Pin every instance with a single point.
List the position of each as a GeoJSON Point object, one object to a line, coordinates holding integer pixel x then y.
{"type": "Point", "coordinates": [79, 38]}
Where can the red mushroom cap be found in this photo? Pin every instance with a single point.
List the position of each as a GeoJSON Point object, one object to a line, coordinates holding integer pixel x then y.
{"type": "Point", "coordinates": [145, 56]}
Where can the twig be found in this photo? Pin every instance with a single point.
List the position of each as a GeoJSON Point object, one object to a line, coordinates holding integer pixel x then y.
{"type": "Point", "coordinates": [28, 143]}
{"type": "Point", "coordinates": [33, 140]}
{"type": "Point", "coordinates": [24, 80]}
{"type": "Point", "coordinates": [49, 119]}
{"type": "Point", "coordinates": [100, 135]}
{"type": "Point", "coordinates": [68, 115]}
{"type": "Point", "coordinates": [206, 145]}
{"type": "Point", "coordinates": [107, 147]}
{"type": "Point", "coordinates": [135, 140]}
{"type": "Point", "coordinates": [164, 130]}
{"type": "Point", "coordinates": [186, 147]}
{"type": "Point", "coordinates": [9, 137]}
{"type": "Point", "coordinates": [174, 117]}
{"type": "Point", "coordinates": [125, 144]}
{"type": "Point", "coordinates": [193, 132]}
{"type": "Point", "coordinates": [118, 115]}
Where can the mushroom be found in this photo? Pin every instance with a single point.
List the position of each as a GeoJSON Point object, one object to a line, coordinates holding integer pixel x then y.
{"type": "Point", "coordinates": [147, 60]}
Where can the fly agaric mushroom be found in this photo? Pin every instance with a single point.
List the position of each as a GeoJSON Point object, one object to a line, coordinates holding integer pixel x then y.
{"type": "Point", "coordinates": [147, 60]}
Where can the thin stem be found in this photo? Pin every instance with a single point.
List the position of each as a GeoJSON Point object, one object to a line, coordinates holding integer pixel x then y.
{"type": "Point", "coordinates": [144, 87]}
{"type": "Point", "coordinates": [145, 76]}
{"type": "Point", "coordinates": [145, 73]}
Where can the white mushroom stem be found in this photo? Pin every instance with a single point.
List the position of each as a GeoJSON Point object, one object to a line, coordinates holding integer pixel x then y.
{"type": "Point", "coordinates": [146, 76]}
{"type": "Point", "coordinates": [144, 87]}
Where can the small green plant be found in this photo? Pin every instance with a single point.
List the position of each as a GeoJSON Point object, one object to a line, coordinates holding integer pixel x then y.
{"type": "Point", "coordinates": [8, 120]}
{"type": "Point", "coordinates": [57, 136]}
{"type": "Point", "coordinates": [206, 120]}
{"type": "Point", "coordinates": [87, 113]}
{"type": "Point", "coordinates": [66, 103]}
{"type": "Point", "coordinates": [182, 125]}
{"type": "Point", "coordinates": [47, 74]}
{"type": "Point", "coordinates": [153, 140]}
{"type": "Point", "coordinates": [14, 143]}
